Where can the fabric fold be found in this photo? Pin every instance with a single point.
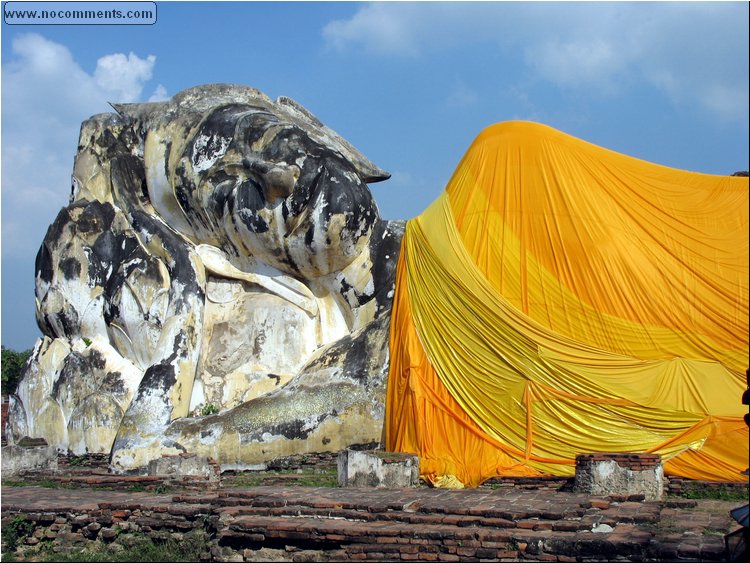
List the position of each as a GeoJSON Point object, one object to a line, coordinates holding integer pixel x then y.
{"type": "Point", "coordinates": [559, 298]}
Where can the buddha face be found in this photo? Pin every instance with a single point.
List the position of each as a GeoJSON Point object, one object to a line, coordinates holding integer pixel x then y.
{"type": "Point", "coordinates": [262, 187]}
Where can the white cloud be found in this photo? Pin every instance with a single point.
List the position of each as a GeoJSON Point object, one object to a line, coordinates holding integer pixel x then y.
{"type": "Point", "coordinates": [123, 75]}
{"type": "Point", "coordinates": [577, 63]}
{"type": "Point", "coordinates": [728, 102]}
{"type": "Point", "coordinates": [695, 53]}
{"type": "Point", "coordinates": [45, 97]}
{"type": "Point", "coordinates": [159, 95]}
{"type": "Point", "coordinates": [461, 96]}
{"type": "Point", "coordinates": [378, 28]}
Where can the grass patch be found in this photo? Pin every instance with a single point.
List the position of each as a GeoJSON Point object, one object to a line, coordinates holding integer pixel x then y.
{"type": "Point", "coordinates": [193, 548]}
{"type": "Point", "coordinates": [716, 493]}
{"type": "Point", "coordinates": [77, 460]}
{"type": "Point", "coordinates": [15, 531]}
{"type": "Point", "coordinates": [14, 483]}
{"type": "Point", "coordinates": [44, 483]}
{"type": "Point", "coordinates": [312, 477]}
{"type": "Point", "coordinates": [714, 532]}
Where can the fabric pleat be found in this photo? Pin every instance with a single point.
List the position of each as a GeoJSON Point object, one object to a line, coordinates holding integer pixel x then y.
{"type": "Point", "coordinates": [560, 298]}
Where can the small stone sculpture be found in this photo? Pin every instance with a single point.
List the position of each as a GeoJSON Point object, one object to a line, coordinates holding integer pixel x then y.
{"type": "Point", "coordinates": [221, 253]}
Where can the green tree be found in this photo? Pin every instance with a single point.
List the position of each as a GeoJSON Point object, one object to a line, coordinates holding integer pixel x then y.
{"type": "Point", "coordinates": [12, 367]}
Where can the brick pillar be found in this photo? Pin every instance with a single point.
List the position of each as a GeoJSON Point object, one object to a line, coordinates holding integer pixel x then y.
{"type": "Point", "coordinates": [620, 474]}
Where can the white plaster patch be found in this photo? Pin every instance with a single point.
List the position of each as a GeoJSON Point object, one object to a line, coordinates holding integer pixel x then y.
{"type": "Point", "coordinates": [605, 469]}
{"type": "Point", "coordinates": [210, 434]}
{"type": "Point", "coordinates": [203, 157]}
{"type": "Point", "coordinates": [351, 176]}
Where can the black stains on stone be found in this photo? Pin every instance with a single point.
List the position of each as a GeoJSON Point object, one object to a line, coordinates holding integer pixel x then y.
{"type": "Point", "coordinates": [310, 235]}
{"type": "Point", "coordinates": [258, 343]}
{"type": "Point", "coordinates": [136, 260]}
{"type": "Point", "coordinates": [56, 230]}
{"type": "Point", "coordinates": [352, 200]}
{"type": "Point", "coordinates": [44, 266]}
{"type": "Point", "coordinates": [385, 247]}
{"type": "Point", "coordinates": [167, 443]}
{"type": "Point", "coordinates": [86, 227]}
{"type": "Point", "coordinates": [219, 124]}
{"type": "Point", "coordinates": [167, 156]}
{"type": "Point", "coordinates": [106, 139]}
{"type": "Point", "coordinates": [248, 200]}
{"type": "Point", "coordinates": [211, 149]}
{"type": "Point", "coordinates": [84, 220]}
{"type": "Point", "coordinates": [75, 368]}
{"type": "Point", "coordinates": [284, 210]}
{"type": "Point", "coordinates": [180, 265]}
{"type": "Point", "coordinates": [71, 268]}
{"type": "Point", "coordinates": [113, 383]}
{"type": "Point", "coordinates": [144, 191]}
{"type": "Point", "coordinates": [61, 323]}
{"type": "Point", "coordinates": [326, 440]}
{"type": "Point", "coordinates": [294, 429]}
{"type": "Point", "coordinates": [275, 377]}
{"type": "Point", "coordinates": [288, 260]}
{"type": "Point", "coordinates": [106, 247]}
{"type": "Point", "coordinates": [219, 200]}
{"type": "Point", "coordinates": [356, 359]}
{"type": "Point", "coordinates": [182, 193]}
{"type": "Point", "coordinates": [353, 297]}
{"type": "Point", "coordinates": [96, 360]}
{"type": "Point", "coordinates": [96, 217]}
{"type": "Point", "coordinates": [128, 178]}
{"type": "Point", "coordinates": [161, 376]}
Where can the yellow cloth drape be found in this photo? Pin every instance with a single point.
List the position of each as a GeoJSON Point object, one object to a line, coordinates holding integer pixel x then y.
{"type": "Point", "coordinates": [559, 298]}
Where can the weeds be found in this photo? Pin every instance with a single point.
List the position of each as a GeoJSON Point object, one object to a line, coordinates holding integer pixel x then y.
{"type": "Point", "coordinates": [77, 460]}
{"type": "Point", "coordinates": [48, 484]}
{"type": "Point", "coordinates": [305, 478]}
{"type": "Point", "coordinates": [209, 409]}
{"type": "Point", "coordinates": [191, 548]}
{"type": "Point", "coordinates": [161, 489]}
{"type": "Point", "coordinates": [716, 493]}
{"type": "Point", "coordinates": [714, 532]}
{"type": "Point", "coordinates": [16, 530]}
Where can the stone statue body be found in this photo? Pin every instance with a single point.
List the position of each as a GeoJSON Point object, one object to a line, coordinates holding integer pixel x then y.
{"type": "Point", "coordinates": [221, 251]}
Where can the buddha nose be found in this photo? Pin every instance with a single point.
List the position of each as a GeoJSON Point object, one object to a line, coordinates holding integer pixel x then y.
{"type": "Point", "coordinates": [280, 181]}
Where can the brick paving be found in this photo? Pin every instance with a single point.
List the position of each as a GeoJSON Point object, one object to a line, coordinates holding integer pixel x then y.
{"type": "Point", "coordinates": [346, 524]}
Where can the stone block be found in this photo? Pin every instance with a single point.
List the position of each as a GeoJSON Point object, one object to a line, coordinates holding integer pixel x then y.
{"type": "Point", "coordinates": [16, 459]}
{"type": "Point", "coordinates": [185, 464]}
{"type": "Point", "coordinates": [377, 469]}
{"type": "Point", "coordinates": [633, 475]}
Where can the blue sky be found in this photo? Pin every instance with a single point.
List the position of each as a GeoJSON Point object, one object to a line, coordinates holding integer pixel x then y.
{"type": "Point", "coordinates": [409, 84]}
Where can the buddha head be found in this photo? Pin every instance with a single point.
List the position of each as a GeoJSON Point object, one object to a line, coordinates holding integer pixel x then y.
{"type": "Point", "coordinates": [264, 179]}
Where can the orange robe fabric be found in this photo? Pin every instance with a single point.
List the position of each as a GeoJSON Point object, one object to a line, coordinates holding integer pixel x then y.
{"type": "Point", "coordinates": [560, 298]}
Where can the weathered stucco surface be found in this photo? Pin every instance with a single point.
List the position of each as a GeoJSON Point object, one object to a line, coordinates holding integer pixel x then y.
{"type": "Point", "coordinates": [221, 253]}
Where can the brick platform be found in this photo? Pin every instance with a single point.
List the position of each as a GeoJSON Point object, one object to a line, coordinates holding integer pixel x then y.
{"type": "Point", "coordinates": [335, 524]}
